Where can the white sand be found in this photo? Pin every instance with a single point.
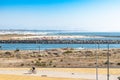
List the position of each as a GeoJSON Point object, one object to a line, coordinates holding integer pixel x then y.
{"type": "Point", "coordinates": [54, 37]}
{"type": "Point", "coordinates": [59, 74]}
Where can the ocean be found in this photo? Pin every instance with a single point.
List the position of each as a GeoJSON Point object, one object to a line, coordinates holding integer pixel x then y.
{"type": "Point", "coordinates": [104, 35]}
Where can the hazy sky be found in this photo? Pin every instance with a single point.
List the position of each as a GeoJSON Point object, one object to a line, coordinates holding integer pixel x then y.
{"type": "Point", "coordinates": [83, 15]}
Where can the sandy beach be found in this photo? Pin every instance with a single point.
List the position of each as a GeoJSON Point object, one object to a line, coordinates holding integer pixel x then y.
{"type": "Point", "coordinates": [58, 64]}
{"type": "Point", "coordinates": [57, 73]}
{"type": "Point", "coordinates": [53, 37]}
{"type": "Point", "coordinates": [42, 37]}
{"type": "Point", "coordinates": [59, 39]}
{"type": "Point", "coordinates": [21, 77]}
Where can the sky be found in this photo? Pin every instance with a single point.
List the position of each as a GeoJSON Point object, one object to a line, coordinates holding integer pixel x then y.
{"type": "Point", "coordinates": [83, 15]}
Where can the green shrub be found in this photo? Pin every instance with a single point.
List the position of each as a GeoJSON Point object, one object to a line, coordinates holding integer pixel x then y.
{"type": "Point", "coordinates": [61, 60]}
{"type": "Point", "coordinates": [17, 50]}
{"type": "Point", "coordinates": [43, 64]}
{"type": "Point", "coordinates": [22, 64]}
{"type": "Point", "coordinates": [37, 63]}
{"type": "Point", "coordinates": [107, 62]}
{"type": "Point", "coordinates": [68, 63]}
{"type": "Point", "coordinates": [32, 61]}
{"type": "Point", "coordinates": [51, 61]}
{"type": "Point", "coordinates": [118, 63]}
{"type": "Point", "coordinates": [67, 52]}
{"type": "Point", "coordinates": [8, 53]}
{"type": "Point", "coordinates": [54, 66]}
{"type": "Point", "coordinates": [39, 59]}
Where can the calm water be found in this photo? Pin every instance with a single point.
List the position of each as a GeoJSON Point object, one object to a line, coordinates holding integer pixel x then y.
{"type": "Point", "coordinates": [107, 35]}
{"type": "Point", "coordinates": [52, 46]}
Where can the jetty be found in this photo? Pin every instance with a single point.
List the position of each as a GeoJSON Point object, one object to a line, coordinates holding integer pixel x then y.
{"type": "Point", "coordinates": [63, 41]}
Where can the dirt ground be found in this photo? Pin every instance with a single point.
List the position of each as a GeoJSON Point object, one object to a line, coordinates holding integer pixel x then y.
{"type": "Point", "coordinates": [59, 58]}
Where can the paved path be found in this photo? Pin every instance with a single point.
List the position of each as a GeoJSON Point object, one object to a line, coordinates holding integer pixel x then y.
{"type": "Point", "coordinates": [59, 74]}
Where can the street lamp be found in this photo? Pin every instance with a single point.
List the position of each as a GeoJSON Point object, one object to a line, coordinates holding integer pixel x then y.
{"type": "Point", "coordinates": [39, 49]}
{"type": "Point", "coordinates": [0, 47]}
{"type": "Point", "coordinates": [97, 62]}
{"type": "Point", "coordinates": [108, 63]}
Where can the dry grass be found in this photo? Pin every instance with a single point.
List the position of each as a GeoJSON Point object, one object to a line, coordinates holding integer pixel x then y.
{"type": "Point", "coordinates": [19, 77]}
{"type": "Point", "coordinates": [59, 58]}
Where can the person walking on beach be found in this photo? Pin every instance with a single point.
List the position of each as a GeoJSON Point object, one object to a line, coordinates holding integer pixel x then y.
{"type": "Point", "coordinates": [33, 70]}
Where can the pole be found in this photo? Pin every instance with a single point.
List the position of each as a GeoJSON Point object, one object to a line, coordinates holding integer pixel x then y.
{"type": "Point", "coordinates": [39, 49]}
{"type": "Point", "coordinates": [97, 63]}
{"type": "Point", "coordinates": [0, 47]}
{"type": "Point", "coordinates": [108, 63]}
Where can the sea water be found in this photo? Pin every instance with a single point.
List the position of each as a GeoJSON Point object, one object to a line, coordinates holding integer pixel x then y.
{"type": "Point", "coordinates": [105, 35]}
{"type": "Point", "coordinates": [54, 46]}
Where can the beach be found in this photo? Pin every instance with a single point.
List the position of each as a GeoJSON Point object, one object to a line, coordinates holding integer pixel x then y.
{"type": "Point", "coordinates": [57, 74]}
{"type": "Point", "coordinates": [42, 37]}
{"type": "Point", "coordinates": [59, 40]}
{"type": "Point", "coordinates": [59, 64]}
{"type": "Point", "coordinates": [57, 61]}
{"type": "Point", "coordinates": [19, 77]}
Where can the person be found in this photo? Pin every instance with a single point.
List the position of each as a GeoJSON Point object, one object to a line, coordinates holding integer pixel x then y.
{"type": "Point", "coordinates": [118, 78]}
{"type": "Point", "coordinates": [33, 70]}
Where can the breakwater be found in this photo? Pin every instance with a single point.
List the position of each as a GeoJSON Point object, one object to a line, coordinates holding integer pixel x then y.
{"type": "Point", "coordinates": [63, 41]}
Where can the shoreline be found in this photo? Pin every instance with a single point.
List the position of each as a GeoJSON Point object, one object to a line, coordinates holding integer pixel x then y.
{"type": "Point", "coordinates": [53, 37]}
{"type": "Point", "coordinates": [43, 37]}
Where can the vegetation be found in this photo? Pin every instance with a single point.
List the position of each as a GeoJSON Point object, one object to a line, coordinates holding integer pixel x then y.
{"type": "Point", "coordinates": [22, 64]}
{"type": "Point", "coordinates": [118, 63]}
{"type": "Point", "coordinates": [8, 53]}
{"type": "Point", "coordinates": [17, 50]}
{"type": "Point", "coordinates": [61, 60]}
{"type": "Point", "coordinates": [42, 64]}
{"type": "Point", "coordinates": [66, 52]}
{"type": "Point", "coordinates": [54, 65]}
{"type": "Point", "coordinates": [67, 58]}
